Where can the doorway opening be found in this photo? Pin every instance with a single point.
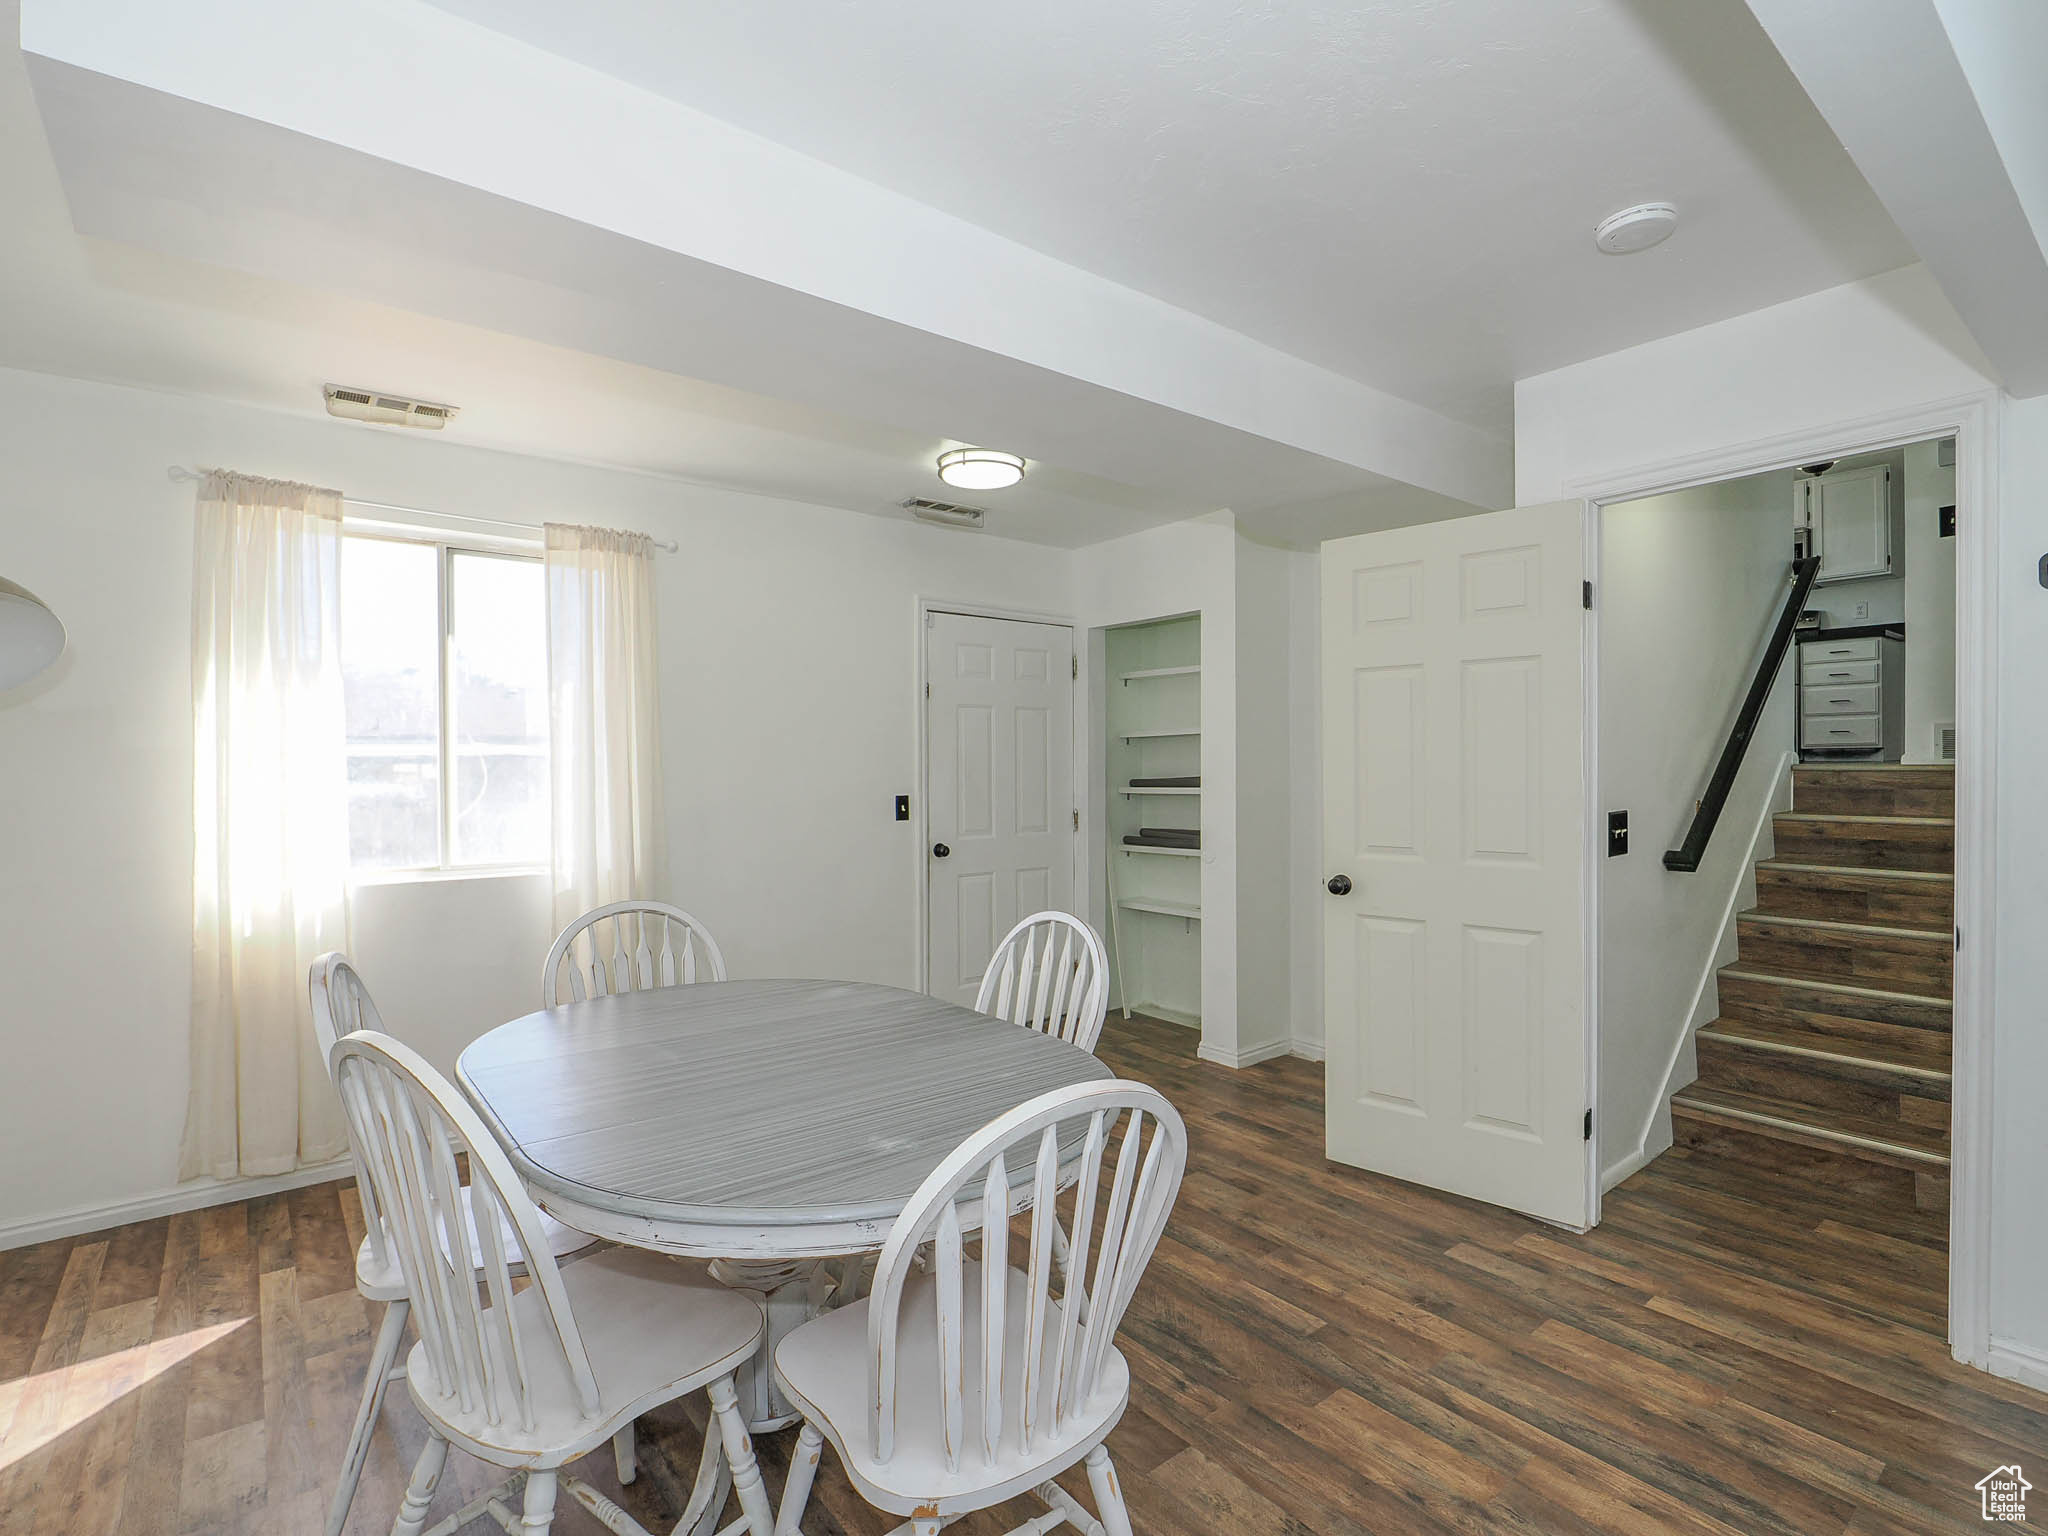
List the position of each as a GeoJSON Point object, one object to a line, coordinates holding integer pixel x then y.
{"type": "Point", "coordinates": [1777, 743]}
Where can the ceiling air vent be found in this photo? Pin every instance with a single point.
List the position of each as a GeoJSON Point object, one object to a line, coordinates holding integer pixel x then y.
{"type": "Point", "coordinates": [950, 513]}
{"type": "Point", "coordinates": [391, 410]}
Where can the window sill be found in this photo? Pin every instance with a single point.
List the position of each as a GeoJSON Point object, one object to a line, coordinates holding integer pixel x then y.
{"type": "Point", "coordinates": [358, 879]}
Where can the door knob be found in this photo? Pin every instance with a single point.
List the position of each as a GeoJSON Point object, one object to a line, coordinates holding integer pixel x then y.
{"type": "Point", "coordinates": [1340, 885]}
{"type": "Point", "coordinates": [940, 851]}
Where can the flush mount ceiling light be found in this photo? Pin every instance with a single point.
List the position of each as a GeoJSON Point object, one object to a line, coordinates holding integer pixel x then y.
{"type": "Point", "coordinates": [1636, 229]}
{"type": "Point", "coordinates": [30, 636]}
{"type": "Point", "coordinates": [980, 469]}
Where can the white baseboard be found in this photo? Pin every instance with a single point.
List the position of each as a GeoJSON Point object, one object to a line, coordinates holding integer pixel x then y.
{"type": "Point", "coordinates": [1245, 1058]}
{"type": "Point", "coordinates": [1655, 1136]}
{"type": "Point", "coordinates": [2019, 1362]}
{"type": "Point", "coordinates": [1610, 1177]}
{"type": "Point", "coordinates": [1307, 1050]}
{"type": "Point", "coordinates": [166, 1202]}
{"type": "Point", "coordinates": [1161, 1011]}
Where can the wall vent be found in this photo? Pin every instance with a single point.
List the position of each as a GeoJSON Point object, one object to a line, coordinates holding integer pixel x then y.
{"type": "Point", "coordinates": [391, 410]}
{"type": "Point", "coordinates": [949, 513]}
{"type": "Point", "coordinates": [1945, 743]}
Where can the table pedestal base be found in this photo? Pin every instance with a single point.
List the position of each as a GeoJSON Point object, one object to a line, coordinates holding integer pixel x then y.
{"type": "Point", "coordinates": [793, 1292]}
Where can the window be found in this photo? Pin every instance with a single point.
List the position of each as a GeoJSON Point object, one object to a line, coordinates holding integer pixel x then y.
{"type": "Point", "coordinates": [444, 676]}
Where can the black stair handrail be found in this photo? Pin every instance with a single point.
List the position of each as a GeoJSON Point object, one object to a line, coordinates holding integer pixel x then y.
{"type": "Point", "coordinates": [1685, 858]}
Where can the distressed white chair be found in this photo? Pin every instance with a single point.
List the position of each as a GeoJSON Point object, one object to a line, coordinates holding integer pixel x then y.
{"type": "Point", "coordinates": [342, 1005]}
{"type": "Point", "coordinates": [1050, 974]}
{"type": "Point", "coordinates": [956, 1388]}
{"type": "Point", "coordinates": [651, 944]}
{"type": "Point", "coordinates": [531, 1380]}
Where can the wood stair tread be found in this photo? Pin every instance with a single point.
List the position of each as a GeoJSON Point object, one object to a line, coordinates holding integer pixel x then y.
{"type": "Point", "coordinates": [1807, 867]}
{"type": "Point", "coordinates": [1860, 817]}
{"type": "Point", "coordinates": [1829, 984]}
{"type": "Point", "coordinates": [1839, 925]}
{"type": "Point", "coordinates": [1858, 1135]}
{"type": "Point", "coordinates": [1930, 1060]}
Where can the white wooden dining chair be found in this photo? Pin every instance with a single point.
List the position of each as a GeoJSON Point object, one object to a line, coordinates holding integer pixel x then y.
{"type": "Point", "coordinates": [342, 1005]}
{"type": "Point", "coordinates": [955, 1388]}
{"type": "Point", "coordinates": [629, 946]}
{"type": "Point", "coordinates": [1050, 974]}
{"type": "Point", "coordinates": [530, 1380]}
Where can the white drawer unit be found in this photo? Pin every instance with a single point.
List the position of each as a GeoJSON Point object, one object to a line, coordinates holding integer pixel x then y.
{"type": "Point", "coordinates": [1858, 648]}
{"type": "Point", "coordinates": [1840, 698]}
{"type": "Point", "coordinates": [1841, 732]}
{"type": "Point", "coordinates": [1824, 674]}
{"type": "Point", "coordinates": [1852, 697]}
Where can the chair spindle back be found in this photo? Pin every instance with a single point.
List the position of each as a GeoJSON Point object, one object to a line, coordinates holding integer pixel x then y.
{"type": "Point", "coordinates": [1016, 1164]}
{"type": "Point", "coordinates": [1050, 974]}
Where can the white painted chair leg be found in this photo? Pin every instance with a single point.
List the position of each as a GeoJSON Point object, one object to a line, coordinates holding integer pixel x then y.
{"type": "Point", "coordinates": [803, 1471]}
{"type": "Point", "coordinates": [739, 1455]}
{"type": "Point", "coordinates": [707, 1498]}
{"type": "Point", "coordinates": [377, 1377]}
{"type": "Point", "coordinates": [538, 1511]}
{"type": "Point", "coordinates": [627, 1451]}
{"type": "Point", "coordinates": [419, 1493]}
{"type": "Point", "coordinates": [1109, 1493]}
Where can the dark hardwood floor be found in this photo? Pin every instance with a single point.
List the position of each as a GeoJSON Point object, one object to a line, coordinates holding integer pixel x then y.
{"type": "Point", "coordinates": [1316, 1350]}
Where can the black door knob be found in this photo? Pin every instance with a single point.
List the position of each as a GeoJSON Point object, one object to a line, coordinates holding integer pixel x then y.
{"type": "Point", "coordinates": [1340, 885]}
{"type": "Point", "coordinates": [940, 851]}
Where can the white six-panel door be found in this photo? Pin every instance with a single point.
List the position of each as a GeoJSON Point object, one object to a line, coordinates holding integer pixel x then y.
{"type": "Point", "coordinates": [999, 785]}
{"type": "Point", "coordinates": [1454, 805]}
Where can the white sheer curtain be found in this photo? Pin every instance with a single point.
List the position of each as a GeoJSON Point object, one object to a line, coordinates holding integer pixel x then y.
{"type": "Point", "coordinates": [604, 720]}
{"type": "Point", "coordinates": [270, 823]}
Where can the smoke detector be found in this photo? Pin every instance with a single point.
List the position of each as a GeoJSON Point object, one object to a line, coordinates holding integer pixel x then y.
{"type": "Point", "coordinates": [390, 410]}
{"type": "Point", "coordinates": [1636, 229]}
{"type": "Point", "coordinates": [948, 513]}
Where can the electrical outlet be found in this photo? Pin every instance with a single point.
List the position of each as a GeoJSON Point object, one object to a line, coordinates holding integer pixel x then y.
{"type": "Point", "coordinates": [1863, 610]}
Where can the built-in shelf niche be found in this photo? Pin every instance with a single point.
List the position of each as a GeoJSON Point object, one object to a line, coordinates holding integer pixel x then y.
{"type": "Point", "coordinates": [1153, 729]}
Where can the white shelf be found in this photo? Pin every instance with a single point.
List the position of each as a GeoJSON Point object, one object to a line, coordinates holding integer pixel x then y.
{"type": "Point", "coordinates": [1132, 677]}
{"type": "Point", "coordinates": [1178, 853]}
{"type": "Point", "coordinates": [1147, 735]}
{"type": "Point", "coordinates": [1164, 908]}
{"type": "Point", "coordinates": [1142, 789]}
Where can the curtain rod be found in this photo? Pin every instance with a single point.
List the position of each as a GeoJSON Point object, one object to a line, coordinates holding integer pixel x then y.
{"type": "Point", "coordinates": [180, 472]}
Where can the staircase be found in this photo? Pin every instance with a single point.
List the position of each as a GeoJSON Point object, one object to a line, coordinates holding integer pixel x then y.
{"type": "Point", "coordinates": [1834, 1019]}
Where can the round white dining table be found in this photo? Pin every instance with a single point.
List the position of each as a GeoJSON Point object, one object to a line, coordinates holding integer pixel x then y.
{"type": "Point", "coordinates": [762, 1124]}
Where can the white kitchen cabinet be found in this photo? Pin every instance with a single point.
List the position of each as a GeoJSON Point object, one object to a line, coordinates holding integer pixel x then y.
{"type": "Point", "coordinates": [1852, 695]}
{"type": "Point", "coordinates": [1850, 516]}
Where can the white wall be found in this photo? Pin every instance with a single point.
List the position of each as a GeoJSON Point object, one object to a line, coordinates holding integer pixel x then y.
{"type": "Point", "coordinates": [1930, 601]}
{"type": "Point", "coordinates": [788, 642]}
{"type": "Point", "coordinates": [2019, 1292]}
{"type": "Point", "coordinates": [1305, 793]}
{"type": "Point", "coordinates": [1836, 356]}
{"type": "Point", "coordinates": [1890, 344]}
{"type": "Point", "coordinates": [1265, 847]}
{"type": "Point", "coordinates": [1689, 586]}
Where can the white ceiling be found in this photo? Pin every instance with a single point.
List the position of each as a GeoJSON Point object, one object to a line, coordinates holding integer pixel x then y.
{"type": "Point", "coordinates": [1400, 196]}
{"type": "Point", "coordinates": [1402, 191]}
{"type": "Point", "coordinates": [117, 312]}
